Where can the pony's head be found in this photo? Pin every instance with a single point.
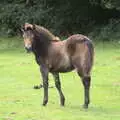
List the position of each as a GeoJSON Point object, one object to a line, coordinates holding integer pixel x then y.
{"type": "Point", "coordinates": [28, 36]}
{"type": "Point", "coordinates": [37, 35]}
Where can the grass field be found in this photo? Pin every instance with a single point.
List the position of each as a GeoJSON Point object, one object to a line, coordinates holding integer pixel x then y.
{"type": "Point", "coordinates": [19, 73]}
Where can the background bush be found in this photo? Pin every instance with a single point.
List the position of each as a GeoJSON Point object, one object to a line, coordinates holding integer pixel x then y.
{"type": "Point", "coordinates": [65, 17]}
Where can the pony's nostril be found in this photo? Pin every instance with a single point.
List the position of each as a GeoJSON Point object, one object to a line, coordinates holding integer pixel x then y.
{"type": "Point", "coordinates": [28, 49]}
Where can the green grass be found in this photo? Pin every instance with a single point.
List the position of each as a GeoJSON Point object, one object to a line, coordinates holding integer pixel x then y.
{"type": "Point", "coordinates": [19, 73]}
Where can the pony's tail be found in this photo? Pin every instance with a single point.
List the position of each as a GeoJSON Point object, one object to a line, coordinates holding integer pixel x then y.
{"type": "Point", "coordinates": [91, 52]}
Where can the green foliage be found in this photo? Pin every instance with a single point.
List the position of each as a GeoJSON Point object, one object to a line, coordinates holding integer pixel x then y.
{"type": "Point", "coordinates": [107, 32]}
{"type": "Point", "coordinates": [13, 16]}
{"type": "Point", "coordinates": [109, 4]}
{"type": "Point", "coordinates": [62, 17]}
{"type": "Point", "coordinates": [12, 42]}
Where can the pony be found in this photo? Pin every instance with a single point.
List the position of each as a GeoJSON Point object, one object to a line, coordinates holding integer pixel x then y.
{"type": "Point", "coordinates": [55, 56]}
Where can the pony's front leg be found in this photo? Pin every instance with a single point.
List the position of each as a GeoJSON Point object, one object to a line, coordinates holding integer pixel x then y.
{"type": "Point", "coordinates": [44, 72]}
{"type": "Point", "coordinates": [58, 86]}
{"type": "Point", "coordinates": [37, 58]}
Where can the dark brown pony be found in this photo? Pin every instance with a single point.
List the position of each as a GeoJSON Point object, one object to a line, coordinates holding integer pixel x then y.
{"type": "Point", "coordinates": [76, 52]}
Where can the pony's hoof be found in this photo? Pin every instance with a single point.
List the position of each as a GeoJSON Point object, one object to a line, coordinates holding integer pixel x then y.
{"type": "Point", "coordinates": [44, 103]}
{"type": "Point", "coordinates": [38, 86]}
{"type": "Point", "coordinates": [85, 106]}
{"type": "Point", "coordinates": [62, 105]}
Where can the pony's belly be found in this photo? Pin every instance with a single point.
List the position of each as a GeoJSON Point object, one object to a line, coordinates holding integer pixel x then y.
{"type": "Point", "coordinates": [62, 69]}
{"type": "Point", "coordinates": [61, 62]}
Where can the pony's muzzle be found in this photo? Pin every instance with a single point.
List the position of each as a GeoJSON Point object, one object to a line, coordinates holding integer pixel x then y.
{"type": "Point", "coordinates": [28, 49]}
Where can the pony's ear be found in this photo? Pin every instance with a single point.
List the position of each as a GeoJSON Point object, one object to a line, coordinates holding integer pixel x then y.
{"type": "Point", "coordinates": [28, 26]}
{"type": "Point", "coordinates": [22, 30]}
{"type": "Point", "coordinates": [34, 27]}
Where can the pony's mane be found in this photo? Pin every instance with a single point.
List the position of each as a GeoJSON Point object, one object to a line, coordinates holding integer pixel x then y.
{"type": "Point", "coordinates": [44, 31]}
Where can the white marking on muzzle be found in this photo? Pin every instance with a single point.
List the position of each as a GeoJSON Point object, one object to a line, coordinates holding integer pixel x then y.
{"type": "Point", "coordinates": [28, 46]}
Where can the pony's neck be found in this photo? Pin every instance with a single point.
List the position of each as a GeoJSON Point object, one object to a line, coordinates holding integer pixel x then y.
{"type": "Point", "coordinates": [42, 41]}
{"type": "Point", "coordinates": [45, 32]}
{"type": "Point", "coordinates": [40, 46]}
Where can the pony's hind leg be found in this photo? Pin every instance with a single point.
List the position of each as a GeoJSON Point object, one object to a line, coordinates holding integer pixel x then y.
{"type": "Point", "coordinates": [86, 83]}
{"type": "Point", "coordinates": [58, 86]}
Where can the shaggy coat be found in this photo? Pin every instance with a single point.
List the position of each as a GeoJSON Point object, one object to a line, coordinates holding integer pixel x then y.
{"type": "Point", "coordinates": [56, 56]}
